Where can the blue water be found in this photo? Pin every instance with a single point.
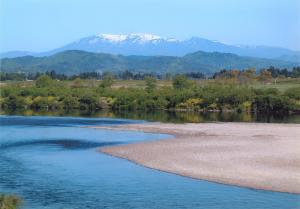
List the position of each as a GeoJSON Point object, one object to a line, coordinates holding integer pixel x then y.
{"type": "Point", "coordinates": [52, 163]}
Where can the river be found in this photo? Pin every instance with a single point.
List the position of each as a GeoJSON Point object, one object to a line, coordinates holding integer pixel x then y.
{"type": "Point", "coordinates": [53, 163]}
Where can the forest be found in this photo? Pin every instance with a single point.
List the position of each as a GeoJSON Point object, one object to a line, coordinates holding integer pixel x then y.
{"type": "Point", "coordinates": [227, 90]}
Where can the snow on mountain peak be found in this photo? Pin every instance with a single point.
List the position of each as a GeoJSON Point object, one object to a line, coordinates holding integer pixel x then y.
{"type": "Point", "coordinates": [143, 37]}
{"type": "Point", "coordinates": [112, 37]}
{"type": "Point", "coordinates": [134, 37]}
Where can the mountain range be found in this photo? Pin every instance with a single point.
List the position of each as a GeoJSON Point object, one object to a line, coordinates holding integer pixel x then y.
{"type": "Point", "coordinates": [75, 61]}
{"type": "Point", "coordinates": [152, 45]}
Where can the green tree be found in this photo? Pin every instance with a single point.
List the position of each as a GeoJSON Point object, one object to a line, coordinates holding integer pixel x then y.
{"type": "Point", "coordinates": [107, 81]}
{"type": "Point", "coordinates": [44, 81]}
{"type": "Point", "coordinates": [180, 82]}
{"type": "Point", "coordinates": [150, 83]}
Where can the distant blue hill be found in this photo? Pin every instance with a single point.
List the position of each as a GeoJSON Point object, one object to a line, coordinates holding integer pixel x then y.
{"type": "Point", "coordinates": [75, 61]}
{"type": "Point", "coordinates": [152, 45]}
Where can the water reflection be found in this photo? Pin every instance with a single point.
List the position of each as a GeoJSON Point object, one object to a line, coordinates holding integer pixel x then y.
{"type": "Point", "coordinates": [171, 116]}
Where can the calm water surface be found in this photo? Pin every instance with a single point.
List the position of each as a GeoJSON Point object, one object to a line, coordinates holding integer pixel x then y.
{"type": "Point", "coordinates": [52, 163]}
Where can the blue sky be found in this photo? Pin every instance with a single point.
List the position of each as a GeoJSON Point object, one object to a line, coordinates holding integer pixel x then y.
{"type": "Point", "coordinates": [38, 25]}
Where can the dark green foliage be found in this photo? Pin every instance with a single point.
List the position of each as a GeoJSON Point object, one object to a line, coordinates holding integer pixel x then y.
{"type": "Point", "coordinates": [88, 101]}
{"type": "Point", "coordinates": [180, 82]}
{"type": "Point", "coordinates": [293, 93]}
{"type": "Point", "coordinates": [44, 81]}
{"type": "Point", "coordinates": [184, 95]}
{"type": "Point", "coordinates": [70, 102]}
{"type": "Point", "coordinates": [150, 83]}
{"type": "Point", "coordinates": [107, 81]}
{"type": "Point", "coordinates": [270, 103]}
{"type": "Point", "coordinates": [13, 102]}
{"type": "Point", "coordinates": [276, 72]}
{"type": "Point", "coordinates": [4, 76]}
{"type": "Point", "coordinates": [295, 72]}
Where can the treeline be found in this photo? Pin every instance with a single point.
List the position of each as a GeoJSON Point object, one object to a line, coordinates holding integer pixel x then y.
{"type": "Point", "coordinates": [276, 72]}
{"type": "Point", "coordinates": [184, 94]}
{"type": "Point", "coordinates": [270, 72]}
{"type": "Point", "coordinates": [126, 75]}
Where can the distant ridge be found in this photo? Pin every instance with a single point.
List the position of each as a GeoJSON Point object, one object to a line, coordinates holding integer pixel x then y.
{"type": "Point", "coordinates": [152, 45]}
{"type": "Point", "coordinates": [76, 61]}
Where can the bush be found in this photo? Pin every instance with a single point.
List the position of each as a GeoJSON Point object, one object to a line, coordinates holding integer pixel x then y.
{"type": "Point", "coordinates": [9, 202]}
{"type": "Point", "coordinates": [89, 102]}
{"type": "Point", "coordinates": [49, 102]}
{"type": "Point", "coordinates": [13, 102]}
{"type": "Point", "coordinates": [150, 84]}
{"type": "Point", "coordinates": [246, 106]}
{"type": "Point", "coordinates": [269, 103]}
{"type": "Point", "coordinates": [70, 102]}
{"type": "Point", "coordinates": [181, 82]}
{"type": "Point", "coordinates": [294, 105]}
{"type": "Point", "coordinates": [191, 104]}
{"type": "Point", "coordinates": [44, 81]}
{"type": "Point", "coordinates": [107, 81]}
{"type": "Point", "coordinates": [293, 93]}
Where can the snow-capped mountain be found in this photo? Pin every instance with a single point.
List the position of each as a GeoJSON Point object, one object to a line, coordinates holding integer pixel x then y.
{"type": "Point", "coordinates": [141, 38]}
{"type": "Point", "coordinates": [131, 44]}
{"type": "Point", "coordinates": [151, 45]}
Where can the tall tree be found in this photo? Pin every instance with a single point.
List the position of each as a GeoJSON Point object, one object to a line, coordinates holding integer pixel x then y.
{"type": "Point", "coordinates": [150, 83]}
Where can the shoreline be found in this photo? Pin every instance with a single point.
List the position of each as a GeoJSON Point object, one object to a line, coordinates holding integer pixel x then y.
{"type": "Point", "coordinates": [252, 155]}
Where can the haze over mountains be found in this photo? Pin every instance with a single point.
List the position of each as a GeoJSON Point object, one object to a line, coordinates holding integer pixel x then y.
{"type": "Point", "coordinates": [153, 45]}
{"type": "Point", "coordinates": [75, 62]}
{"type": "Point", "coordinates": [147, 53]}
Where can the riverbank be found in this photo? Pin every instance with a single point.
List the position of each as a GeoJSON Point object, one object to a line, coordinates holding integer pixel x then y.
{"type": "Point", "coordinates": [254, 155]}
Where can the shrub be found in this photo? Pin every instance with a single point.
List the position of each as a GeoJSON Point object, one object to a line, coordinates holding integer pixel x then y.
{"type": "Point", "coordinates": [9, 202]}
{"type": "Point", "coordinates": [269, 103]}
{"type": "Point", "coordinates": [191, 104]}
{"type": "Point", "coordinates": [70, 102]}
{"type": "Point", "coordinates": [150, 84]}
{"type": "Point", "coordinates": [44, 81]}
{"type": "Point", "coordinates": [293, 93]}
{"type": "Point", "coordinates": [181, 82]}
{"type": "Point", "coordinates": [246, 106]}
